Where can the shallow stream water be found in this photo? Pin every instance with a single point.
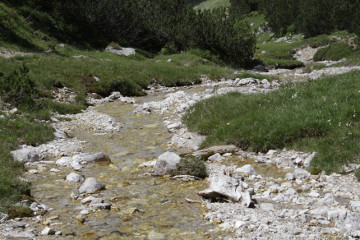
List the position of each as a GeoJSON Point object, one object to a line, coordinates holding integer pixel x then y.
{"type": "Point", "coordinates": [143, 206]}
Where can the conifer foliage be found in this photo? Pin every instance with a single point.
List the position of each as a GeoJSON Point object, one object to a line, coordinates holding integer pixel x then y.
{"type": "Point", "coordinates": [167, 25]}
{"type": "Point", "coordinates": [311, 17]}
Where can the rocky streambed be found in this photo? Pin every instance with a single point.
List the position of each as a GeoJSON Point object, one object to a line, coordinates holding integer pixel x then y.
{"type": "Point", "coordinates": [95, 180]}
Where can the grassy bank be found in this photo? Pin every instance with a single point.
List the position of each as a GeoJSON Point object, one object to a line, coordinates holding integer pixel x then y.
{"type": "Point", "coordinates": [15, 130]}
{"type": "Point", "coordinates": [321, 116]}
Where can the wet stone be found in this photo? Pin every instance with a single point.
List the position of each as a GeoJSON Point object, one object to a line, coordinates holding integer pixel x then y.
{"type": "Point", "coordinates": [48, 231]}
{"type": "Point", "coordinates": [91, 185]}
{"type": "Point", "coordinates": [74, 177]}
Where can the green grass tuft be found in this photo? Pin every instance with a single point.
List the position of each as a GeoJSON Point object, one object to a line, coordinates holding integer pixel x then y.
{"type": "Point", "coordinates": [191, 166]}
{"type": "Point", "coordinates": [20, 211]}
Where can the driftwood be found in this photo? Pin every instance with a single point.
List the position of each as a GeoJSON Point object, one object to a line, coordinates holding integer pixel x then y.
{"type": "Point", "coordinates": [214, 149]}
{"type": "Point", "coordinates": [192, 201]}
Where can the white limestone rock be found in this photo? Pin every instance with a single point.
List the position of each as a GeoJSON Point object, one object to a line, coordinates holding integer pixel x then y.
{"type": "Point", "coordinates": [166, 163]}
{"type": "Point", "coordinates": [301, 174]}
{"type": "Point", "coordinates": [48, 231]}
{"type": "Point", "coordinates": [223, 187]}
{"type": "Point", "coordinates": [248, 169]}
{"type": "Point", "coordinates": [91, 185]}
{"type": "Point", "coordinates": [74, 177]}
{"type": "Point", "coordinates": [122, 51]}
{"type": "Point", "coordinates": [25, 155]}
{"type": "Point", "coordinates": [216, 157]}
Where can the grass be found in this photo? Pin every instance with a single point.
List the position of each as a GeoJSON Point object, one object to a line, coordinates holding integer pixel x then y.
{"type": "Point", "coordinates": [17, 34]}
{"type": "Point", "coordinates": [117, 73]}
{"type": "Point", "coordinates": [278, 55]}
{"type": "Point", "coordinates": [323, 117]}
{"type": "Point", "coordinates": [16, 130]}
{"type": "Point", "coordinates": [335, 52]}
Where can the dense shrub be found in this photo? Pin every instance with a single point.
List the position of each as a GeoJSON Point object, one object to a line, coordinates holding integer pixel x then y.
{"type": "Point", "coordinates": [192, 166]}
{"type": "Point", "coordinates": [17, 88]}
{"type": "Point", "coordinates": [243, 6]}
{"type": "Point", "coordinates": [169, 26]}
{"type": "Point", "coordinates": [280, 14]}
{"type": "Point", "coordinates": [311, 17]}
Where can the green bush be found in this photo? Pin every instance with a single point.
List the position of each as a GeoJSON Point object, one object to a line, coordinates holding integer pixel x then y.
{"type": "Point", "coordinates": [311, 17]}
{"type": "Point", "coordinates": [18, 88]}
{"type": "Point", "coordinates": [20, 211]}
{"type": "Point", "coordinates": [192, 166]}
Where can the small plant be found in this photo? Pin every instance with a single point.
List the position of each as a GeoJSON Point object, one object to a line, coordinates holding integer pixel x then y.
{"type": "Point", "coordinates": [20, 211]}
{"type": "Point", "coordinates": [192, 166]}
{"type": "Point", "coordinates": [169, 48]}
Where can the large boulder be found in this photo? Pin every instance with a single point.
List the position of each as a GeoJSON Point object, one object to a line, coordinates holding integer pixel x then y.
{"type": "Point", "coordinates": [91, 185]}
{"type": "Point", "coordinates": [226, 188]}
{"type": "Point", "coordinates": [166, 163]}
{"type": "Point", "coordinates": [25, 155]}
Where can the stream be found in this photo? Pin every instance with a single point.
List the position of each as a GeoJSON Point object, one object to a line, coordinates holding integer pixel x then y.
{"type": "Point", "coordinates": [143, 206]}
{"type": "Point", "coordinates": [149, 207]}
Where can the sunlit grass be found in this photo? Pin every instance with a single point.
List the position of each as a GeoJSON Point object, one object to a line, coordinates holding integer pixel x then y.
{"type": "Point", "coordinates": [321, 116]}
